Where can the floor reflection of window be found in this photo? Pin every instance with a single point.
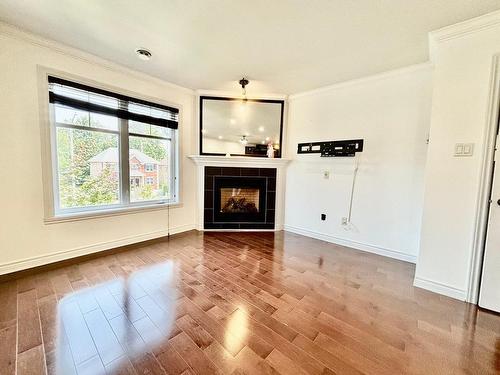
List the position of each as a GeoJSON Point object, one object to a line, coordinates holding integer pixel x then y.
{"type": "Point", "coordinates": [236, 329]}
{"type": "Point", "coordinates": [101, 327]}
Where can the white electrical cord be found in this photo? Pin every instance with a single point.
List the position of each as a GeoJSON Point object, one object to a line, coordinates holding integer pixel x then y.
{"type": "Point", "coordinates": [347, 226]}
{"type": "Point", "coordinates": [168, 222]}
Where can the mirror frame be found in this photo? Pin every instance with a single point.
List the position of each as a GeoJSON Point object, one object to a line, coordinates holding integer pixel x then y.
{"type": "Point", "coordinates": [281, 102]}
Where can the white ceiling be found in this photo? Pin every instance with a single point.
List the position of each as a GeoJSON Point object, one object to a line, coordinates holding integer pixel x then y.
{"type": "Point", "coordinates": [282, 46]}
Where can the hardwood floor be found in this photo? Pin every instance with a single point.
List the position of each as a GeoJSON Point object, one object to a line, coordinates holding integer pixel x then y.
{"type": "Point", "coordinates": [240, 303]}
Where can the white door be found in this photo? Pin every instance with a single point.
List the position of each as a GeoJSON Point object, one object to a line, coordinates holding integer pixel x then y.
{"type": "Point", "coordinates": [489, 296]}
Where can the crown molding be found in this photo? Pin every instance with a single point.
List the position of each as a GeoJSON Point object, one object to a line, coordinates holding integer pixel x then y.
{"type": "Point", "coordinates": [237, 94]}
{"type": "Point", "coordinates": [363, 80]}
{"type": "Point", "coordinates": [465, 28]}
{"type": "Point", "coordinates": [15, 32]}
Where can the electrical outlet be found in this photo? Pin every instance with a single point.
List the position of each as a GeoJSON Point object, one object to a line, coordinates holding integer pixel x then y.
{"type": "Point", "coordinates": [323, 217]}
{"type": "Point", "coordinates": [344, 221]}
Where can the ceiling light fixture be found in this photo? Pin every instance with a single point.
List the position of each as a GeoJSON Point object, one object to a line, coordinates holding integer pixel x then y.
{"type": "Point", "coordinates": [143, 54]}
{"type": "Point", "coordinates": [243, 82]}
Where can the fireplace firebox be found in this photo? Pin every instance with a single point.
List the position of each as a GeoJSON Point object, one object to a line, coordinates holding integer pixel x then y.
{"type": "Point", "coordinates": [239, 198]}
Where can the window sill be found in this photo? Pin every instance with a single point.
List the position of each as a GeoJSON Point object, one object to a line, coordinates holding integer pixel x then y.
{"type": "Point", "coordinates": [110, 212]}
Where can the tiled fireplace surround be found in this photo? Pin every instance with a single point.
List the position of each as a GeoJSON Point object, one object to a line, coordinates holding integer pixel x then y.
{"type": "Point", "coordinates": [237, 176]}
{"type": "Point", "coordinates": [209, 167]}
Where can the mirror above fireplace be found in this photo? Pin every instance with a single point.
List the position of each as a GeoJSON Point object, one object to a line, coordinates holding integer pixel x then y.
{"type": "Point", "coordinates": [243, 127]}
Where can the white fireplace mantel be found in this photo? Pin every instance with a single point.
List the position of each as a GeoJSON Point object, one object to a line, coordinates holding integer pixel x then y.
{"type": "Point", "coordinates": [280, 164]}
{"type": "Point", "coordinates": [239, 161]}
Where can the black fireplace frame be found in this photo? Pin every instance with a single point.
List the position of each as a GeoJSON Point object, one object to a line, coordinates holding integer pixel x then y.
{"type": "Point", "coordinates": [211, 173]}
{"type": "Point", "coordinates": [259, 183]}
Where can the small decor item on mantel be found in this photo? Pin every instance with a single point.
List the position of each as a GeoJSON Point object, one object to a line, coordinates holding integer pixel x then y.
{"type": "Point", "coordinates": [228, 155]}
{"type": "Point", "coordinates": [270, 150]}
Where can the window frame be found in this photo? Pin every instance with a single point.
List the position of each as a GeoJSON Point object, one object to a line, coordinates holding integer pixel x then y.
{"type": "Point", "coordinates": [48, 130]}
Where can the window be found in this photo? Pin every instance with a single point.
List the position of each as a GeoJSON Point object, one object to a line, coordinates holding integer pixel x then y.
{"type": "Point", "coordinates": [111, 151]}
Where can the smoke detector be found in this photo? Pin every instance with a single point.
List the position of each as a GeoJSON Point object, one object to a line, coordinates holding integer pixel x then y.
{"type": "Point", "coordinates": [143, 54]}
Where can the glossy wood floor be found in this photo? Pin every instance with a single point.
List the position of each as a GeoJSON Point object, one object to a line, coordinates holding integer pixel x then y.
{"type": "Point", "coordinates": [240, 303]}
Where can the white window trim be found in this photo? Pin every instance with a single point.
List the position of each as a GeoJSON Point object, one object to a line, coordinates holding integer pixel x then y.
{"type": "Point", "coordinates": [48, 157]}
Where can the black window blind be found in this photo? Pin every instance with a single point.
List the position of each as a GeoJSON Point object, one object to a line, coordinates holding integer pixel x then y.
{"type": "Point", "coordinates": [79, 96]}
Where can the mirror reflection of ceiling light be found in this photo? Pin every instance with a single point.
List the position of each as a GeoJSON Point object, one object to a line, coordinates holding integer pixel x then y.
{"type": "Point", "coordinates": [267, 138]}
{"type": "Point", "coordinates": [263, 142]}
{"type": "Point", "coordinates": [243, 140]}
{"type": "Point", "coordinates": [232, 121]}
{"type": "Point", "coordinates": [261, 128]}
{"type": "Point", "coordinates": [220, 137]}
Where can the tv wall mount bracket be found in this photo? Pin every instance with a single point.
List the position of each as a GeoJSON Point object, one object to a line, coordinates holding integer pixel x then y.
{"type": "Point", "coordinates": [332, 148]}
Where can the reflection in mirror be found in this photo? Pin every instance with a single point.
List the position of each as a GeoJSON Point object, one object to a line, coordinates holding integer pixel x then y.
{"type": "Point", "coordinates": [241, 127]}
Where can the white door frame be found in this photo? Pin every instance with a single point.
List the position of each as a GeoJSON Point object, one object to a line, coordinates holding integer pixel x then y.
{"type": "Point", "coordinates": [482, 202]}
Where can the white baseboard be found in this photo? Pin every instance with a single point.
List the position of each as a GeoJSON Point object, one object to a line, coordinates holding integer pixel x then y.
{"type": "Point", "coordinates": [27, 263]}
{"type": "Point", "coordinates": [440, 288]}
{"type": "Point", "coordinates": [239, 230]}
{"type": "Point", "coordinates": [353, 244]}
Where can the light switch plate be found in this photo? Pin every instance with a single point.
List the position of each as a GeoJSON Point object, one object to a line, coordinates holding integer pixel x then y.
{"type": "Point", "coordinates": [464, 149]}
{"type": "Point", "coordinates": [468, 149]}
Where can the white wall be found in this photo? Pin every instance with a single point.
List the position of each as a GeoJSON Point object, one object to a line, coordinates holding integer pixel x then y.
{"type": "Point", "coordinates": [391, 113]}
{"type": "Point", "coordinates": [24, 238]}
{"type": "Point", "coordinates": [462, 56]}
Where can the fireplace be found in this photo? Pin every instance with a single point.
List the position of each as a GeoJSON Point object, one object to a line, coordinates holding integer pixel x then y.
{"type": "Point", "coordinates": [239, 198]}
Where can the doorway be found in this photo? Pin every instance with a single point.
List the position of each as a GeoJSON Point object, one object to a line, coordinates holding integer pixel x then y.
{"type": "Point", "coordinates": [489, 292]}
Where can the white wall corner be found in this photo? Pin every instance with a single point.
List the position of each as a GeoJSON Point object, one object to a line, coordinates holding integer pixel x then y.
{"type": "Point", "coordinates": [369, 248]}
{"type": "Point", "coordinates": [440, 288]}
